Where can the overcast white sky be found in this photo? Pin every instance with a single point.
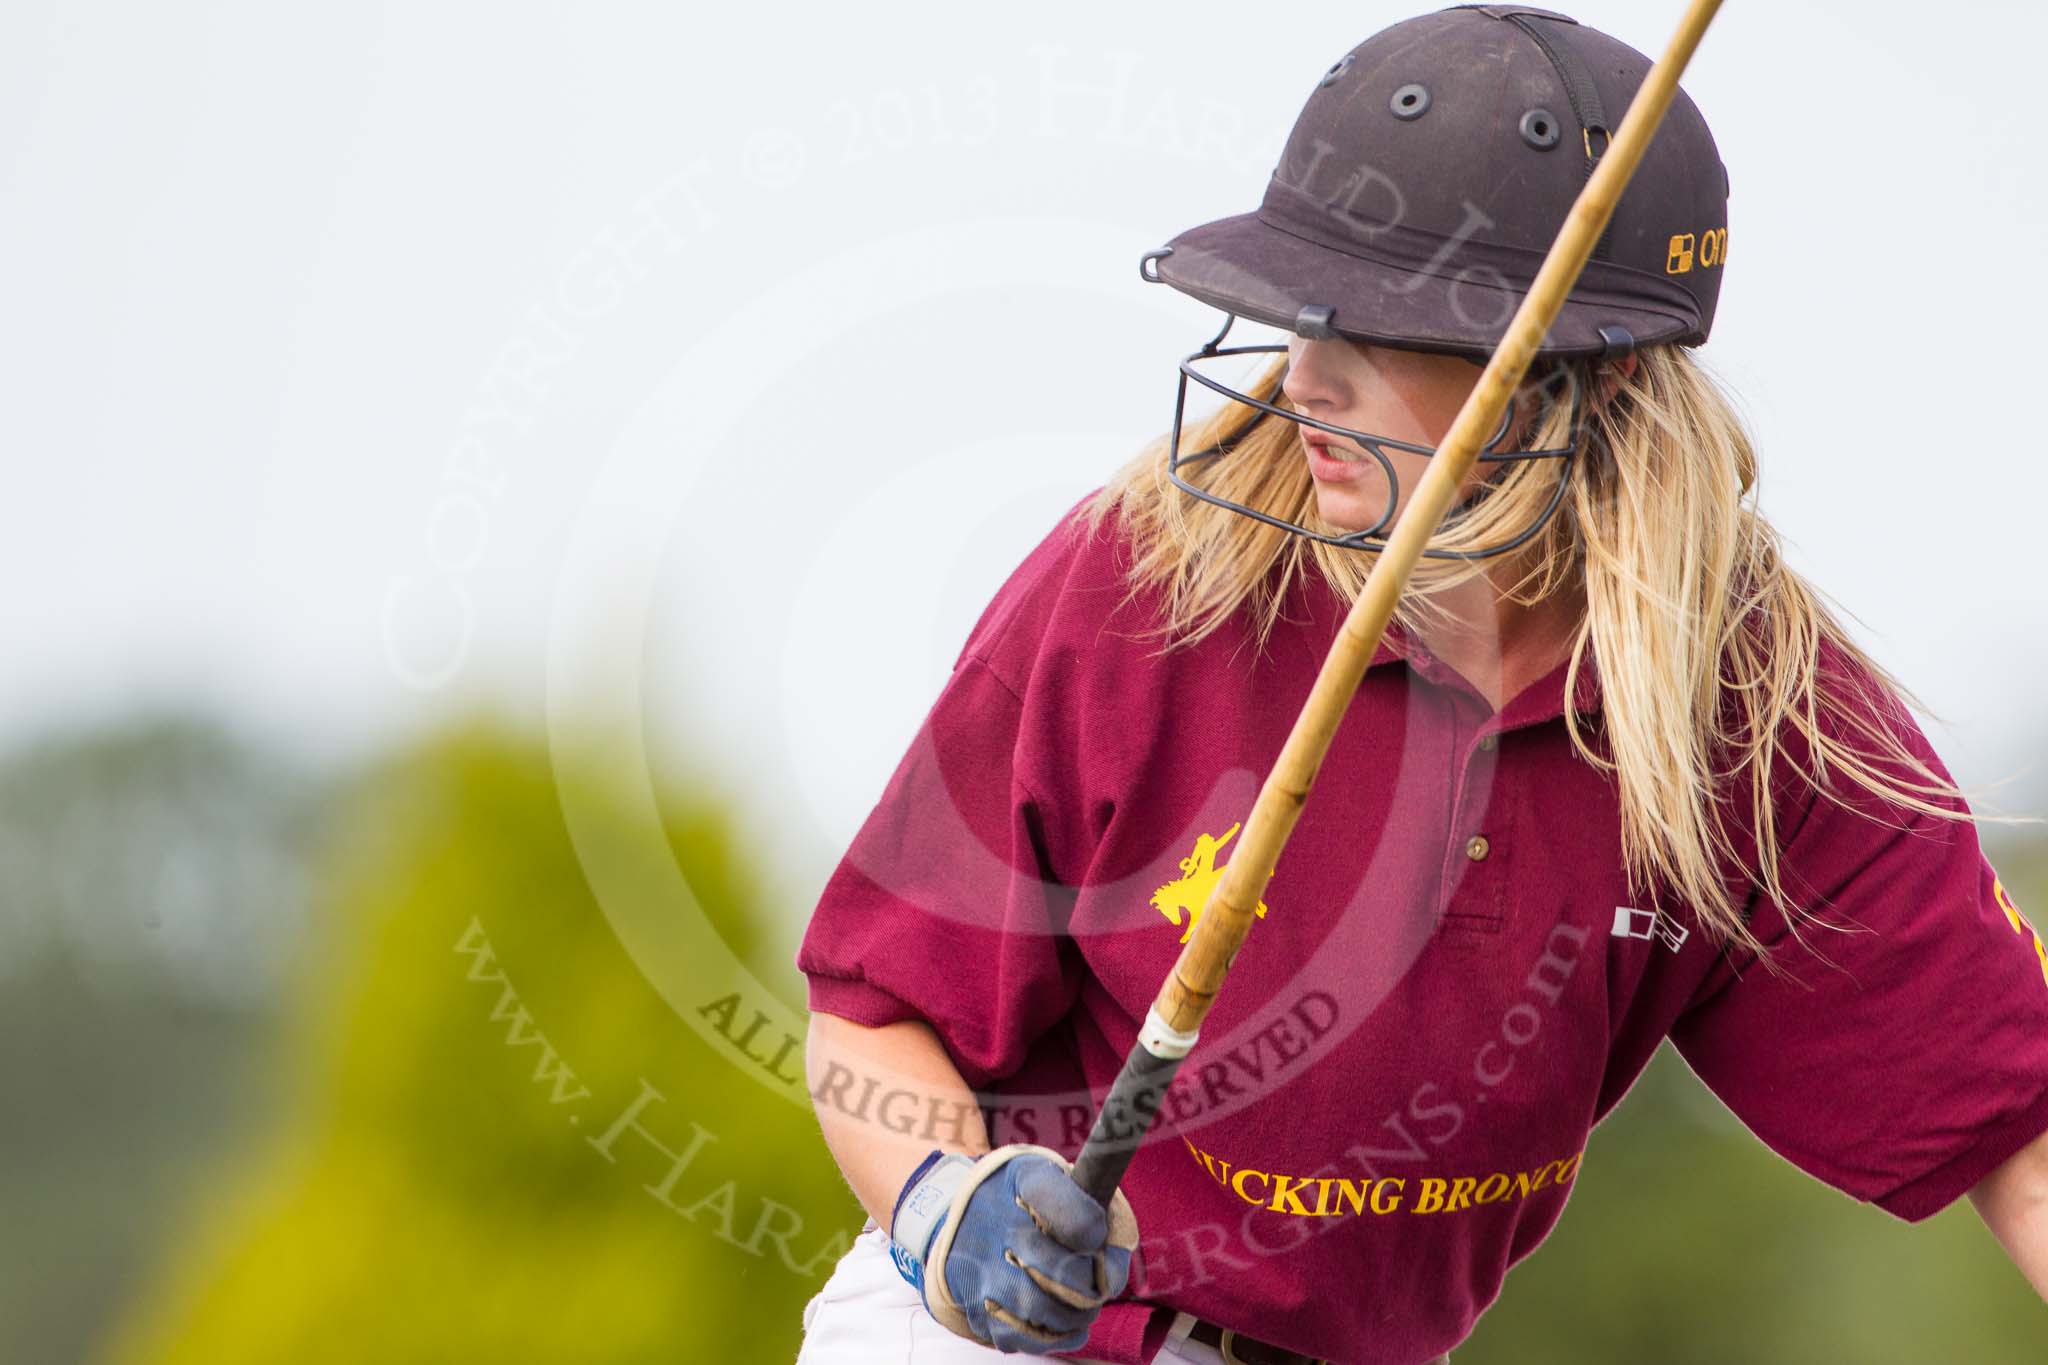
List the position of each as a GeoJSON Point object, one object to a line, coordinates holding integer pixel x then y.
{"type": "Point", "coordinates": [364, 361]}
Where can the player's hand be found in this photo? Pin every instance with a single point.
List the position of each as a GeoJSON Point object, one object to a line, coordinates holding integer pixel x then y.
{"type": "Point", "coordinates": [1031, 1264]}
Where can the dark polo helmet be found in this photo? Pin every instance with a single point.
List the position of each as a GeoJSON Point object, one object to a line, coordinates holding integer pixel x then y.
{"type": "Point", "coordinates": [1429, 173]}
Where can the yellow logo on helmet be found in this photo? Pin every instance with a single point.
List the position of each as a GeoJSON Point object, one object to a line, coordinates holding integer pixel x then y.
{"type": "Point", "coordinates": [1707, 249]}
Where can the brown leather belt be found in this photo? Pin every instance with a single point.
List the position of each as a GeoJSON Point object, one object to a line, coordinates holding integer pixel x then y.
{"type": "Point", "coordinates": [1242, 1350]}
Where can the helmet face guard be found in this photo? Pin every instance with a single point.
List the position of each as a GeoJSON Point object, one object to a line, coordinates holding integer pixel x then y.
{"type": "Point", "coordinates": [1372, 537]}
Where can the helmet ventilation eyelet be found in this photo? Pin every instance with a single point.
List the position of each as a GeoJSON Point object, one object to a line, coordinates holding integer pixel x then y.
{"type": "Point", "coordinates": [1540, 129]}
{"type": "Point", "coordinates": [1410, 102]}
{"type": "Point", "coordinates": [1336, 71]}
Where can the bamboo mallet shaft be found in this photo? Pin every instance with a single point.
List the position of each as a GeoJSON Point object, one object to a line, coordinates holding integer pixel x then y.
{"type": "Point", "coordinates": [1226, 919]}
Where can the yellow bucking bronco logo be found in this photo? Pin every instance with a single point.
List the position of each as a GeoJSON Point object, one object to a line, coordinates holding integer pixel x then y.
{"type": "Point", "coordinates": [1184, 897]}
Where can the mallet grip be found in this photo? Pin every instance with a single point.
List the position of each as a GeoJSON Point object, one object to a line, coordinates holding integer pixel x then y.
{"type": "Point", "coordinates": [1132, 1103]}
{"type": "Point", "coordinates": [1121, 1122]}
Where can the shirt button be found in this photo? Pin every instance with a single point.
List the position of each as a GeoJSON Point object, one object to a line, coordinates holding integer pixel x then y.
{"type": "Point", "coordinates": [1488, 741]}
{"type": "Point", "coordinates": [1476, 848]}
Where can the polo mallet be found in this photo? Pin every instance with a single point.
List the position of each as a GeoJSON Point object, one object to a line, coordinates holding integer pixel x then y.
{"type": "Point", "coordinates": [1175, 1019]}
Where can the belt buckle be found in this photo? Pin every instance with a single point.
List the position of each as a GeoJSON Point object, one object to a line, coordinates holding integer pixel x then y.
{"type": "Point", "coordinates": [1226, 1346]}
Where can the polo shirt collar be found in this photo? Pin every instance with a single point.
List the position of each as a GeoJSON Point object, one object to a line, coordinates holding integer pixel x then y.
{"type": "Point", "coordinates": [1541, 701]}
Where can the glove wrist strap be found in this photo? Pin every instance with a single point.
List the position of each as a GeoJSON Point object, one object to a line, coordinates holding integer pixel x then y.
{"type": "Point", "coordinates": [922, 1209]}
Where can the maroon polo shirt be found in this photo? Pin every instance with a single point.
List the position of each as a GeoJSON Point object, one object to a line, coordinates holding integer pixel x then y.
{"type": "Point", "coordinates": [1450, 986]}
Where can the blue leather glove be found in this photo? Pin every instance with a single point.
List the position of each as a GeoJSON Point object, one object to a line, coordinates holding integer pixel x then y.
{"type": "Point", "coordinates": [1030, 1263]}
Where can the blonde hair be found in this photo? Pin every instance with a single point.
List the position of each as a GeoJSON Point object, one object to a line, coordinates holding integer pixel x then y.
{"type": "Point", "coordinates": [1709, 647]}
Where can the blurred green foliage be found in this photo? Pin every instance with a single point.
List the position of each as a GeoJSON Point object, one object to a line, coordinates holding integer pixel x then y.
{"type": "Point", "coordinates": [426, 1198]}
{"type": "Point", "coordinates": [429, 1190]}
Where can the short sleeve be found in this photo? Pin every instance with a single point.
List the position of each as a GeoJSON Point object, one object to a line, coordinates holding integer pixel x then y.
{"type": "Point", "coordinates": [947, 906]}
{"type": "Point", "coordinates": [1909, 1069]}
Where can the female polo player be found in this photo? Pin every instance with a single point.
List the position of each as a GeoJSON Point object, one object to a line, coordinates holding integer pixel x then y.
{"type": "Point", "coordinates": [1615, 775]}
